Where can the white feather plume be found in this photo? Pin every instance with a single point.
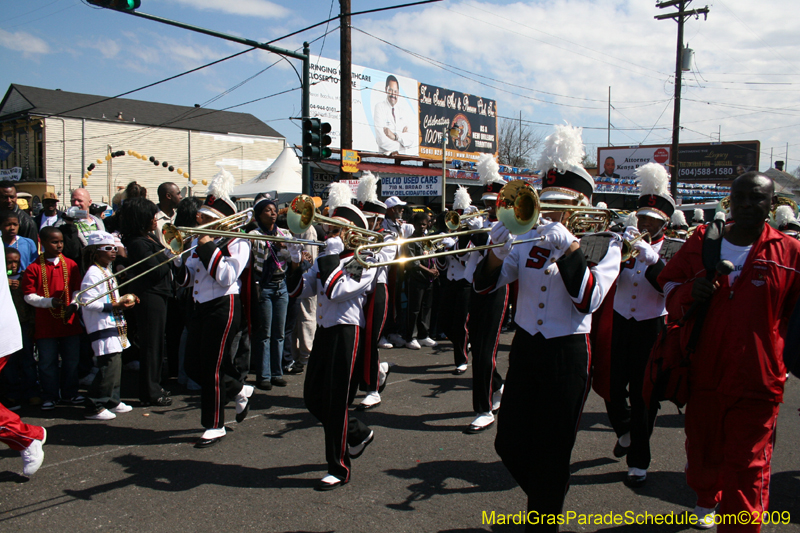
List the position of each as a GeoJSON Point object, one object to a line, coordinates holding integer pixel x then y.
{"type": "Point", "coordinates": [653, 179]}
{"type": "Point", "coordinates": [221, 185]}
{"type": "Point", "coordinates": [720, 215]}
{"type": "Point", "coordinates": [339, 194]}
{"type": "Point", "coordinates": [698, 216]}
{"type": "Point", "coordinates": [783, 215]}
{"type": "Point", "coordinates": [601, 205]}
{"type": "Point", "coordinates": [678, 218]}
{"type": "Point", "coordinates": [489, 170]}
{"type": "Point", "coordinates": [367, 187]}
{"type": "Point", "coordinates": [563, 149]}
{"type": "Point", "coordinates": [461, 200]}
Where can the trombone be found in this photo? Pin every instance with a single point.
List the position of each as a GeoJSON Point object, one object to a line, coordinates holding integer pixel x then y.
{"type": "Point", "coordinates": [302, 215]}
{"type": "Point", "coordinates": [233, 221]}
{"type": "Point", "coordinates": [582, 220]}
{"type": "Point", "coordinates": [517, 209]}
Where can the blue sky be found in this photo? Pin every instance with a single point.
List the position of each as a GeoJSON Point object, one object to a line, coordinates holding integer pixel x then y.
{"type": "Point", "coordinates": [552, 61]}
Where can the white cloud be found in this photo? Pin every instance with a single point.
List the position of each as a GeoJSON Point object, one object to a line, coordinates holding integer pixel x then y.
{"type": "Point", "coordinates": [108, 47]}
{"type": "Point", "coordinates": [576, 49]}
{"type": "Point", "coordinates": [23, 42]}
{"type": "Point", "coordinates": [252, 8]}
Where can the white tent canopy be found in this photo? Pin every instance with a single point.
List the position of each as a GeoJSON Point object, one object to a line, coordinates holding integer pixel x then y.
{"type": "Point", "coordinates": [284, 175]}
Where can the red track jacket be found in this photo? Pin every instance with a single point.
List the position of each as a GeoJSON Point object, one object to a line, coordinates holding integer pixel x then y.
{"type": "Point", "coordinates": [740, 352]}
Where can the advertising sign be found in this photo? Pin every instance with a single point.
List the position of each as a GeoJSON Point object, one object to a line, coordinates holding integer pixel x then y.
{"type": "Point", "coordinates": [11, 174]}
{"type": "Point", "coordinates": [442, 109]}
{"type": "Point", "coordinates": [698, 162]}
{"type": "Point", "coordinates": [385, 115]}
{"type": "Point", "coordinates": [411, 186]}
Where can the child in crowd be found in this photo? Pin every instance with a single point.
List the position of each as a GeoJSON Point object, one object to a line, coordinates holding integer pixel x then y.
{"type": "Point", "coordinates": [9, 226]}
{"type": "Point", "coordinates": [106, 327]}
{"type": "Point", "coordinates": [19, 374]}
{"type": "Point", "coordinates": [420, 275]}
{"type": "Point", "coordinates": [48, 284]}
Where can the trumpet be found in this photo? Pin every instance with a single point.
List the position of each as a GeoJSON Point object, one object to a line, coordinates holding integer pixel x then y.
{"type": "Point", "coordinates": [517, 209]}
{"type": "Point", "coordinates": [628, 251]}
{"type": "Point", "coordinates": [302, 214]}
{"type": "Point", "coordinates": [454, 221]}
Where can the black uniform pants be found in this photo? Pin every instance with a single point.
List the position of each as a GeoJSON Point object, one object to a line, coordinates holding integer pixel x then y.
{"type": "Point", "coordinates": [544, 393]}
{"type": "Point", "coordinates": [420, 300]}
{"type": "Point", "coordinates": [328, 392]}
{"type": "Point", "coordinates": [209, 360]}
{"type": "Point", "coordinates": [368, 366]}
{"type": "Point", "coordinates": [151, 318]}
{"type": "Point", "coordinates": [454, 315]}
{"type": "Point", "coordinates": [487, 313]}
{"type": "Point", "coordinates": [631, 343]}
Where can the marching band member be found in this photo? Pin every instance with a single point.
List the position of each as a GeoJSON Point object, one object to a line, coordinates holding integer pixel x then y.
{"type": "Point", "coordinates": [372, 371]}
{"type": "Point", "coordinates": [341, 286]}
{"type": "Point", "coordinates": [698, 218]}
{"type": "Point", "coordinates": [548, 373]}
{"type": "Point", "coordinates": [487, 315]}
{"type": "Point", "coordinates": [639, 311]}
{"type": "Point", "coordinates": [456, 288]}
{"type": "Point", "coordinates": [212, 270]}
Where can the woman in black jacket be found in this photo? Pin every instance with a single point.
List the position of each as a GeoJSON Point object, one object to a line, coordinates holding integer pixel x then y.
{"type": "Point", "coordinates": [137, 223]}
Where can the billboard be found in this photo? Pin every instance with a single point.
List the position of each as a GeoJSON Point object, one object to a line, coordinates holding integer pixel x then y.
{"type": "Point", "coordinates": [442, 109]}
{"type": "Point", "coordinates": [385, 114]}
{"type": "Point", "coordinates": [698, 162]}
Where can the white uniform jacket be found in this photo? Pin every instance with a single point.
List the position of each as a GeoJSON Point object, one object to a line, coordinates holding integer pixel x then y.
{"type": "Point", "coordinates": [98, 317]}
{"type": "Point", "coordinates": [212, 271]}
{"type": "Point", "coordinates": [340, 294]}
{"type": "Point", "coordinates": [639, 296]}
{"type": "Point", "coordinates": [455, 266]}
{"type": "Point", "coordinates": [557, 295]}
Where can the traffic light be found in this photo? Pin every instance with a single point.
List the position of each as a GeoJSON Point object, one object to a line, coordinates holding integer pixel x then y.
{"type": "Point", "coordinates": [324, 141]}
{"type": "Point", "coordinates": [119, 5]}
{"type": "Point", "coordinates": [312, 132]}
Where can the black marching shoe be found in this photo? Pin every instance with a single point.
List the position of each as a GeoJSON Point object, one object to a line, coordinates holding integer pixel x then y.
{"type": "Point", "coordinates": [210, 438]}
{"type": "Point", "coordinates": [356, 451]}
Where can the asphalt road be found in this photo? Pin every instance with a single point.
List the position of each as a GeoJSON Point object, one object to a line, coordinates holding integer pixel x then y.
{"type": "Point", "coordinates": [140, 472]}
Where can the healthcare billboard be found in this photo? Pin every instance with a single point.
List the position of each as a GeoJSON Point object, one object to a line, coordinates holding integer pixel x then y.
{"type": "Point", "coordinates": [698, 162]}
{"type": "Point", "coordinates": [443, 109]}
{"type": "Point", "coordinates": [385, 113]}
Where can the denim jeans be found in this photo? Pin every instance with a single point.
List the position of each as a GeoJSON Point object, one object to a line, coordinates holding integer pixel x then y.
{"type": "Point", "coordinates": [50, 377]}
{"type": "Point", "coordinates": [269, 319]}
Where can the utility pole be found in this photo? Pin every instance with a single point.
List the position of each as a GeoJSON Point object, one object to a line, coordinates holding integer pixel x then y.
{"type": "Point", "coordinates": [346, 81]}
{"type": "Point", "coordinates": [680, 17]}
{"type": "Point", "coordinates": [608, 141]}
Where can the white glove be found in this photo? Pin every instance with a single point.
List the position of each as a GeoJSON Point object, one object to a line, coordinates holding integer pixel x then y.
{"type": "Point", "coordinates": [556, 234]}
{"type": "Point", "coordinates": [475, 223]}
{"type": "Point", "coordinates": [502, 251]}
{"type": "Point", "coordinates": [647, 255]}
{"type": "Point", "coordinates": [499, 233]}
{"type": "Point", "coordinates": [470, 209]}
{"type": "Point", "coordinates": [448, 242]}
{"type": "Point", "coordinates": [334, 245]}
{"type": "Point", "coordinates": [406, 230]}
{"type": "Point", "coordinates": [631, 232]}
{"type": "Point", "coordinates": [295, 252]}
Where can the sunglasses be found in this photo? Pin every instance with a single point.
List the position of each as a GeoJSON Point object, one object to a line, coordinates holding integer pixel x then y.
{"type": "Point", "coordinates": [108, 248]}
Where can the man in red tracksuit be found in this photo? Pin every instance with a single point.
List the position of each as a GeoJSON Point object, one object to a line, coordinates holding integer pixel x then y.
{"type": "Point", "coordinates": [737, 373]}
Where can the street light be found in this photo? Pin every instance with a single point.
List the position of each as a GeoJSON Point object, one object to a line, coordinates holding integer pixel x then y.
{"type": "Point", "coordinates": [453, 132]}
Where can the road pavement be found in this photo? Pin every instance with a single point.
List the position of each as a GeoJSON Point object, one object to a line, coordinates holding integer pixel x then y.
{"type": "Point", "coordinates": [140, 472]}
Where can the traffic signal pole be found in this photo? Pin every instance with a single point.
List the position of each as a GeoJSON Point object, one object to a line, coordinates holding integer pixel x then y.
{"type": "Point", "coordinates": [304, 57]}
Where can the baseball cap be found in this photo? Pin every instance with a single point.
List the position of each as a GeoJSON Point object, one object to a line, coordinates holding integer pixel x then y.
{"type": "Point", "coordinates": [393, 201]}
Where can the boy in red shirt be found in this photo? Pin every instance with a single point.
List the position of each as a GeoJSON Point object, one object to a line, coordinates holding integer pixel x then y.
{"type": "Point", "coordinates": [48, 285]}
